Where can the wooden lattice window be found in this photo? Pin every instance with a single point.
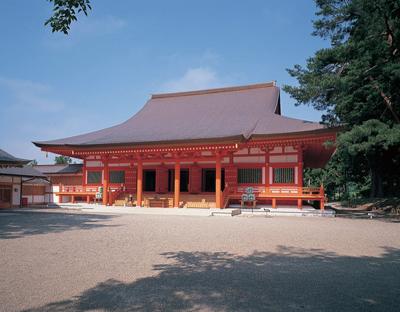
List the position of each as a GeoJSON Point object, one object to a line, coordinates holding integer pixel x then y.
{"type": "Point", "coordinates": [250, 175]}
{"type": "Point", "coordinates": [94, 177]}
{"type": "Point", "coordinates": [284, 175]}
{"type": "Point", "coordinates": [117, 176]}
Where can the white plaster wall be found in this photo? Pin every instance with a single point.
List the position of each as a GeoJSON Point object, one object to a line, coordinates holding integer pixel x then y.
{"type": "Point", "coordinates": [16, 194]}
{"type": "Point", "coordinates": [255, 150]}
{"type": "Point", "coordinates": [277, 149]}
{"type": "Point", "coordinates": [270, 175]}
{"type": "Point", "coordinates": [55, 188]}
{"type": "Point", "coordinates": [94, 163]}
{"type": "Point", "coordinates": [263, 175]}
{"type": "Point", "coordinates": [243, 151]}
{"type": "Point", "coordinates": [119, 165]}
{"type": "Point", "coordinates": [35, 199]}
{"type": "Point", "coordinates": [282, 158]}
{"type": "Point", "coordinates": [290, 149]}
{"type": "Point", "coordinates": [249, 159]}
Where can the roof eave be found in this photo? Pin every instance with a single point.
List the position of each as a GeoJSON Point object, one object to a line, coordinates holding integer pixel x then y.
{"type": "Point", "coordinates": [235, 138]}
{"type": "Point", "coordinates": [327, 130]}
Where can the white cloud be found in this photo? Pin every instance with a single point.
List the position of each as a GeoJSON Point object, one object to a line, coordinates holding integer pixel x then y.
{"type": "Point", "coordinates": [194, 79]}
{"type": "Point", "coordinates": [31, 95]}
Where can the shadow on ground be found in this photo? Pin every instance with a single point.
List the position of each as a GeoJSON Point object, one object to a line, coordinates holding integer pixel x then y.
{"type": "Point", "coordinates": [289, 280]}
{"type": "Point", "coordinates": [20, 224]}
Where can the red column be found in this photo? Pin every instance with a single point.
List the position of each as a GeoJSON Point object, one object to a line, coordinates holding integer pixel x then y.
{"type": "Point", "coordinates": [84, 174]}
{"type": "Point", "coordinates": [139, 184]}
{"type": "Point", "coordinates": [218, 181]}
{"type": "Point", "coordinates": [300, 167]}
{"type": "Point", "coordinates": [266, 169]}
{"type": "Point", "coordinates": [105, 181]}
{"type": "Point", "coordinates": [299, 203]}
{"type": "Point", "coordinates": [177, 184]}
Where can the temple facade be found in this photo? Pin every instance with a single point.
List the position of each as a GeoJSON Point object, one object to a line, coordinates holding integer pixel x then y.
{"type": "Point", "coordinates": [200, 149]}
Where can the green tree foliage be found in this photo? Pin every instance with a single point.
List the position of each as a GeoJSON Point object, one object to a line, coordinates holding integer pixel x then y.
{"type": "Point", "coordinates": [356, 82]}
{"type": "Point", "coordinates": [65, 12]}
{"type": "Point", "coordinates": [58, 160]}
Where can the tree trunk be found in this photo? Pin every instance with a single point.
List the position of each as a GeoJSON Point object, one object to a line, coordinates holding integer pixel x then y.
{"type": "Point", "coordinates": [376, 182]}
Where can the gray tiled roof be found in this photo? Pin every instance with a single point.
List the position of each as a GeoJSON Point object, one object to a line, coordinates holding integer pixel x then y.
{"type": "Point", "coordinates": [56, 169]}
{"type": "Point", "coordinates": [22, 172]}
{"type": "Point", "coordinates": [6, 158]}
{"type": "Point", "coordinates": [236, 113]}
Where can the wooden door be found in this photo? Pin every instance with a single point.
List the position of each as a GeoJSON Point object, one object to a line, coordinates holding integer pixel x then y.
{"type": "Point", "coordinates": [5, 196]}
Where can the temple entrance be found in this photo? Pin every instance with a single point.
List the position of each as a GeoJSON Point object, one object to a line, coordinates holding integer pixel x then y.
{"type": "Point", "coordinates": [184, 182]}
{"type": "Point", "coordinates": [208, 180]}
{"type": "Point", "coordinates": [149, 179]}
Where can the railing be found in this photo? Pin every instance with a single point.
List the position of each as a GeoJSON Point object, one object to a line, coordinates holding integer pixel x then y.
{"type": "Point", "coordinates": [115, 194]}
{"type": "Point", "coordinates": [225, 196]}
{"type": "Point", "coordinates": [77, 189]}
{"type": "Point", "coordinates": [262, 191]}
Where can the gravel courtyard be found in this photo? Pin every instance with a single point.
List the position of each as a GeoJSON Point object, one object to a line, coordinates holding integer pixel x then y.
{"type": "Point", "coordinates": [87, 262]}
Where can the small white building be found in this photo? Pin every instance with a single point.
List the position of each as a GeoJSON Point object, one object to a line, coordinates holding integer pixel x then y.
{"type": "Point", "coordinates": [12, 181]}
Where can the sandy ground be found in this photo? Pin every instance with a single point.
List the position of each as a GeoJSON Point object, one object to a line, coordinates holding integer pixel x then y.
{"type": "Point", "coordinates": [87, 262]}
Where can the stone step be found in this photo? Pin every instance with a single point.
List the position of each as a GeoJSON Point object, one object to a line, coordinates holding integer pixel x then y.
{"type": "Point", "coordinates": [226, 213]}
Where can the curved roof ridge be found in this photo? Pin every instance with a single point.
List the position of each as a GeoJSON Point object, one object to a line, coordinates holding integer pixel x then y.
{"type": "Point", "coordinates": [215, 90]}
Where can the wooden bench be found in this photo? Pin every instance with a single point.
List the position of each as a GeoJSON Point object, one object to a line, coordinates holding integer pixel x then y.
{"type": "Point", "coordinates": [157, 202]}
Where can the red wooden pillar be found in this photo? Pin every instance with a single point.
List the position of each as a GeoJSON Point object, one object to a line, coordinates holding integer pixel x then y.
{"type": "Point", "coordinates": [105, 181]}
{"type": "Point", "coordinates": [139, 184]}
{"type": "Point", "coordinates": [218, 181]}
{"type": "Point", "coordinates": [299, 203]}
{"type": "Point", "coordinates": [300, 175]}
{"type": "Point", "coordinates": [322, 201]}
{"type": "Point", "coordinates": [84, 174]}
{"type": "Point", "coordinates": [267, 169]}
{"type": "Point", "coordinates": [177, 183]}
{"type": "Point", "coordinates": [300, 167]}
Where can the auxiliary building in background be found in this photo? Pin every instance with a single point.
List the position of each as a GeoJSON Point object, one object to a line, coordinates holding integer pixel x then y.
{"type": "Point", "coordinates": [200, 149]}
{"type": "Point", "coordinates": [22, 184]}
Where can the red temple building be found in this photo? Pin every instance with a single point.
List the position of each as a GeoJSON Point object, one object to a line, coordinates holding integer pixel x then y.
{"type": "Point", "coordinates": [200, 149]}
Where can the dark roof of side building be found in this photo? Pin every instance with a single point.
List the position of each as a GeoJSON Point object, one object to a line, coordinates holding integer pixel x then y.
{"type": "Point", "coordinates": [225, 113]}
{"type": "Point", "coordinates": [59, 169]}
{"type": "Point", "coordinates": [27, 171]}
{"type": "Point", "coordinates": [8, 159]}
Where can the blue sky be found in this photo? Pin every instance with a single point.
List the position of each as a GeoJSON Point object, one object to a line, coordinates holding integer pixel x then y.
{"type": "Point", "coordinates": [54, 86]}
